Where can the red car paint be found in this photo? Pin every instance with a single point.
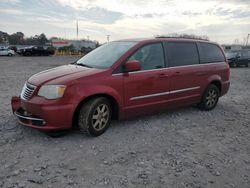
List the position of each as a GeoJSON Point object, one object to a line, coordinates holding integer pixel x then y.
{"type": "Point", "coordinates": [133, 93]}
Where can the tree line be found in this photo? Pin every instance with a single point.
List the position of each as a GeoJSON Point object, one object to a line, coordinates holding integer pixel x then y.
{"type": "Point", "coordinates": [19, 38]}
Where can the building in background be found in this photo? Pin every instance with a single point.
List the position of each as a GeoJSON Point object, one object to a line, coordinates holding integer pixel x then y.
{"type": "Point", "coordinates": [78, 44]}
{"type": "Point", "coordinates": [232, 47]}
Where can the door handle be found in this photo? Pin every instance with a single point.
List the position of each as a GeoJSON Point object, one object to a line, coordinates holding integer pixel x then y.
{"type": "Point", "coordinates": [177, 73]}
{"type": "Point", "coordinates": [163, 75]}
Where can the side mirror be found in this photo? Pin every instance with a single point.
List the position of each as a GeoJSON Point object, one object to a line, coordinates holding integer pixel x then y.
{"type": "Point", "coordinates": [132, 66]}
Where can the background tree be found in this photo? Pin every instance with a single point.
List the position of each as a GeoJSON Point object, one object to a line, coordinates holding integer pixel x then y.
{"type": "Point", "coordinates": [3, 37]}
{"type": "Point", "coordinates": [16, 38]}
{"type": "Point", "coordinates": [42, 39]}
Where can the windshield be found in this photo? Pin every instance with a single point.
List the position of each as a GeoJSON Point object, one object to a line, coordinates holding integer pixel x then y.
{"type": "Point", "coordinates": [105, 55]}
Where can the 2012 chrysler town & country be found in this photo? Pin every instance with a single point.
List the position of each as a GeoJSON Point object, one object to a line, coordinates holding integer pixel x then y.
{"type": "Point", "coordinates": [122, 79]}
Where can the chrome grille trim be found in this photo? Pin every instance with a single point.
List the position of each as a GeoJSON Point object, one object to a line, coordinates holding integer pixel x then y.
{"type": "Point", "coordinates": [27, 91]}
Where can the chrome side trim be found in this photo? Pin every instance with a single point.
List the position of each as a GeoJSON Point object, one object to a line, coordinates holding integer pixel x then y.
{"type": "Point", "coordinates": [182, 90]}
{"type": "Point", "coordinates": [29, 118]}
{"type": "Point", "coordinates": [148, 96]}
{"type": "Point", "coordinates": [163, 93]}
{"type": "Point", "coordinates": [226, 82]}
{"type": "Point", "coordinates": [118, 74]}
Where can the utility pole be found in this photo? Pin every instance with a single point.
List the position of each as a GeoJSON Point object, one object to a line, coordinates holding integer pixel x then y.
{"type": "Point", "coordinates": [108, 37]}
{"type": "Point", "coordinates": [247, 39]}
{"type": "Point", "coordinates": [64, 33]}
{"type": "Point", "coordinates": [76, 29]}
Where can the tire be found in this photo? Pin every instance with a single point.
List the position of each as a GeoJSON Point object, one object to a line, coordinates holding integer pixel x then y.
{"type": "Point", "coordinates": [95, 116]}
{"type": "Point", "coordinates": [10, 54]}
{"type": "Point", "coordinates": [247, 65]}
{"type": "Point", "coordinates": [210, 98]}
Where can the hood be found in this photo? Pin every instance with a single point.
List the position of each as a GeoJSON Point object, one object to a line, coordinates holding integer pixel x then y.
{"type": "Point", "coordinates": [66, 71]}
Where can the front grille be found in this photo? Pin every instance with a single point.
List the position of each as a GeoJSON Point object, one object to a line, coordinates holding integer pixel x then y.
{"type": "Point", "coordinates": [27, 91]}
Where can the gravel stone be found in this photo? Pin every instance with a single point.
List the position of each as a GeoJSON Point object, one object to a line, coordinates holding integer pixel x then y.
{"type": "Point", "coordinates": [183, 147]}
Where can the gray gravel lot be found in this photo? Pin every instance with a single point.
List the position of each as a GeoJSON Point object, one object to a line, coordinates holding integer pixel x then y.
{"type": "Point", "coordinates": [180, 148]}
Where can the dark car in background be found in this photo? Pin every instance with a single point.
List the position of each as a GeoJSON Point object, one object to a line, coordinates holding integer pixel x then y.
{"type": "Point", "coordinates": [14, 48]}
{"type": "Point", "coordinates": [238, 58]}
{"type": "Point", "coordinates": [36, 50]}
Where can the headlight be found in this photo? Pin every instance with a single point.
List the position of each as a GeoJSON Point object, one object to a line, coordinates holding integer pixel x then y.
{"type": "Point", "coordinates": [52, 91]}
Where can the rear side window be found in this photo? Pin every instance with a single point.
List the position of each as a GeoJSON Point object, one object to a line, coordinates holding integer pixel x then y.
{"type": "Point", "coordinates": [210, 53]}
{"type": "Point", "coordinates": [182, 53]}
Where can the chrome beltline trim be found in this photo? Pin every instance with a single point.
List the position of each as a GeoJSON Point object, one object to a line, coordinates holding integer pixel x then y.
{"type": "Point", "coordinates": [163, 93]}
{"type": "Point", "coordinates": [118, 74]}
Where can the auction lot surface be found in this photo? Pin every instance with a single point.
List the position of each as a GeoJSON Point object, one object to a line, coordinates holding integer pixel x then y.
{"type": "Point", "coordinates": [181, 148]}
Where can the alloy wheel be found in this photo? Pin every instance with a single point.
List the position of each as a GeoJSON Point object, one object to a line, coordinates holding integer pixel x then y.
{"type": "Point", "coordinates": [100, 117]}
{"type": "Point", "coordinates": [211, 98]}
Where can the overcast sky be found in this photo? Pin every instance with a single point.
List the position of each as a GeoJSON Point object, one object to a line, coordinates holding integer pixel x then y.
{"type": "Point", "coordinates": [221, 20]}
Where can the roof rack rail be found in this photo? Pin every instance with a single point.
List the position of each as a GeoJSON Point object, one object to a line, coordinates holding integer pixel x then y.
{"type": "Point", "coordinates": [181, 37]}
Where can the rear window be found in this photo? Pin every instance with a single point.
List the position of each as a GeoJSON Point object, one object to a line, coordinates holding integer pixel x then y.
{"type": "Point", "coordinates": [210, 53]}
{"type": "Point", "coordinates": [182, 53]}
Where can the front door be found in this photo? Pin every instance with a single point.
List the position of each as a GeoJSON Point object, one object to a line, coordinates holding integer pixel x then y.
{"type": "Point", "coordinates": [148, 88]}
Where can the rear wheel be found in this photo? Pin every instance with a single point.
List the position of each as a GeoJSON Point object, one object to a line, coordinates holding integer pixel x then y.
{"type": "Point", "coordinates": [95, 116]}
{"type": "Point", "coordinates": [210, 98]}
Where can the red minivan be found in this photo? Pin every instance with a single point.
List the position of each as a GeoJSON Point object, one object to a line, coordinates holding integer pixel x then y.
{"type": "Point", "coordinates": [122, 79]}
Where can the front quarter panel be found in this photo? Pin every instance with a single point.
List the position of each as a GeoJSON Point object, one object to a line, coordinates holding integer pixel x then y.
{"type": "Point", "coordinates": [105, 84]}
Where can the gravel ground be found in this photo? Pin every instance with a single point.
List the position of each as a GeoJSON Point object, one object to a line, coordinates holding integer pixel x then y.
{"type": "Point", "coordinates": [181, 148]}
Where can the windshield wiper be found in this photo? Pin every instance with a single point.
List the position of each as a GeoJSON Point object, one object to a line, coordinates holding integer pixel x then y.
{"type": "Point", "coordinates": [83, 65]}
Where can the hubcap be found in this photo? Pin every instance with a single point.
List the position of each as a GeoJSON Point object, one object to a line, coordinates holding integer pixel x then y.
{"type": "Point", "coordinates": [211, 98]}
{"type": "Point", "coordinates": [100, 117]}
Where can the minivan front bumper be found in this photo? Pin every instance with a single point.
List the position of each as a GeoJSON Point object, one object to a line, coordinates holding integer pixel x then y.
{"type": "Point", "coordinates": [41, 115]}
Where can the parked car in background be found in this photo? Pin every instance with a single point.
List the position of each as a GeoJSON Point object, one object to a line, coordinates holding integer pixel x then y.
{"type": "Point", "coordinates": [124, 79]}
{"type": "Point", "coordinates": [14, 48]}
{"type": "Point", "coordinates": [6, 52]}
{"type": "Point", "coordinates": [238, 58]}
{"type": "Point", "coordinates": [35, 50]}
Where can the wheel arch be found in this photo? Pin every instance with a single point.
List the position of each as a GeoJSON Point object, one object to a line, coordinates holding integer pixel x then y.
{"type": "Point", "coordinates": [114, 104]}
{"type": "Point", "coordinates": [218, 84]}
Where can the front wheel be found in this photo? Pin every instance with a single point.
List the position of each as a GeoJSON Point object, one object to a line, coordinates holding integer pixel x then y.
{"type": "Point", "coordinates": [210, 98]}
{"type": "Point", "coordinates": [95, 116]}
{"type": "Point", "coordinates": [10, 54]}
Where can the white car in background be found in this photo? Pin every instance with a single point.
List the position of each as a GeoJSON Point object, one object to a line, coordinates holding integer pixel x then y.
{"type": "Point", "coordinates": [6, 52]}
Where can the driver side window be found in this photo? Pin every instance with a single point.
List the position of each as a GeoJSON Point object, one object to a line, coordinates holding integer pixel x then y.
{"type": "Point", "coordinates": [150, 56]}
